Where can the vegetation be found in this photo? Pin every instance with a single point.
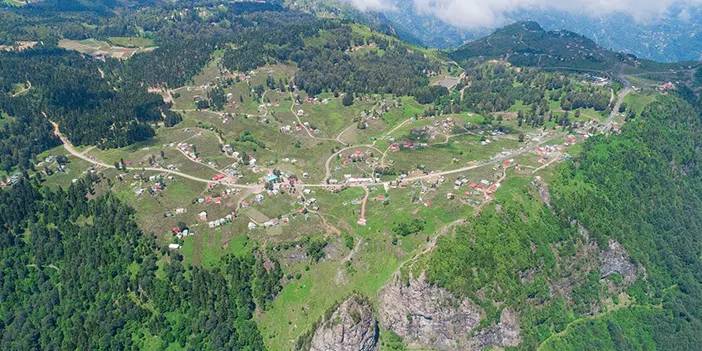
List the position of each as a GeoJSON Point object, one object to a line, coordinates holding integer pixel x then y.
{"type": "Point", "coordinates": [538, 97]}
{"type": "Point", "coordinates": [609, 190]}
{"type": "Point", "coordinates": [408, 228]}
{"type": "Point", "coordinates": [102, 284]}
{"type": "Point", "coordinates": [276, 106]}
{"type": "Point", "coordinates": [527, 44]}
{"type": "Point", "coordinates": [661, 236]}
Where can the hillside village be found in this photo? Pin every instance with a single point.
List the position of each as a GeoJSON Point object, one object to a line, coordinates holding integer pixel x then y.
{"type": "Point", "coordinates": [333, 186]}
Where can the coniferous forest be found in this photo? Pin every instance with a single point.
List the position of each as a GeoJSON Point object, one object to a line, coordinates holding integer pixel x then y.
{"type": "Point", "coordinates": [79, 274]}
{"type": "Point", "coordinates": [503, 180]}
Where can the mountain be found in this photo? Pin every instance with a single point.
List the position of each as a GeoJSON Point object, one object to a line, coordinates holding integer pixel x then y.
{"type": "Point", "coordinates": [379, 21]}
{"type": "Point", "coordinates": [528, 44]}
{"type": "Point", "coordinates": [429, 30]}
{"type": "Point", "coordinates": [676, 36]}
{"type": "Point", "coordinates": [237, 175]}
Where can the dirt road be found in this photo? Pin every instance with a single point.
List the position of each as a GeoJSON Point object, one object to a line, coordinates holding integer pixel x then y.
{"type": "Point", "coordinates": [73, 151]}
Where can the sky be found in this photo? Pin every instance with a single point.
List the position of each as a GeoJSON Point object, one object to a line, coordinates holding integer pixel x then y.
{"type": "Point", "coordinates": [470, 14]}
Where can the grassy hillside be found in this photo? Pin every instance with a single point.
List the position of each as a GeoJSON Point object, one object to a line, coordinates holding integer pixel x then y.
{"type": "Point", "coordinates": [642, 188]}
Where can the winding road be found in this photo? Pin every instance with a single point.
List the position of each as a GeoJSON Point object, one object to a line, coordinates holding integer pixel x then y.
{"type": "Point", "coordinates": [73, 151]}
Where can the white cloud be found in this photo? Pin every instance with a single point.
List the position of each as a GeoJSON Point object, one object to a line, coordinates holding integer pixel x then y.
{"type": "Point", "coordinates": [490, 13]}
{"type": "Point", "coordinates": [477, 13]}
{"type": "Point", "coordinates": [372, 5]}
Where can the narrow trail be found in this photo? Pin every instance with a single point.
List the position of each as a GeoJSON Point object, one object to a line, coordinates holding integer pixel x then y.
{"type": "Point", "coordinates": [197, 162]}
{"type": "Point", "coordinates": [338, 137]}
{"type": "Point", "coordinates": [299, 121]}
{"type": "Point", "coordinates": [23, 90]}
{"type": "Point", "coordinates": [554, 160]}
{"type": "Point", "coordinates": [364, 202]}
{"type": "Point", "coordinates": [354, 251]}
{"type": "Point", "coordinates": [568, 328]}
{"type": "Point", "coordinates": [431, 244]}
{"type": "Point", "coordinates": [327, 164]}
{"type": "Point", "coordinates": [386, 135]}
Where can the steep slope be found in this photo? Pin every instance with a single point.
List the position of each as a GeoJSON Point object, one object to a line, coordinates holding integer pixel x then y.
{"type": "Point", "coordinates": [616, 264]}
{"type": "Point", "coordinates": [528, 44]}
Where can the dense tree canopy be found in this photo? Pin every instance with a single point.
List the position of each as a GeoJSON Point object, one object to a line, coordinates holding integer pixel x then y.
{"type": "Point", "coordinates": [642, 188]}
{"type": "Point", "coordinates": [82, 276]}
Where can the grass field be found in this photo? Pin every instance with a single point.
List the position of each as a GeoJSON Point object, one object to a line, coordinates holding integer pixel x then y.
{"type": "Point", "coordinates": [638, 101]}
{"type": "Point", "coordinates": [466, 146]}
{"type": "Point", "coordinates": [99, 48]}
{"type": "Point", "coordinates": [131, 42]}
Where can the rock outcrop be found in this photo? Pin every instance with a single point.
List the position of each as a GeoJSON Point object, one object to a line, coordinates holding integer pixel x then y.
{"type": "Point", "coordinates": [616, 260]}
{"type": "Point", "coordinates": [426, 315]}
{"type": "Point", "coordinates": [351, 327]}
{"type": "Point", "coordinates": [505, 334]}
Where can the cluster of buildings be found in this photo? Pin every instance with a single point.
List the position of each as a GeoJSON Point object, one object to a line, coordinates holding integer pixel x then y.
{"type": "Point", "coordinates": [212, 224]}
{"type": "Point", "coordinates": [19, 46]}
{"type": "Point", "coordinates": [548, 152]}
{"type": "Point", "coordinates": [10, 181]}
{"type": "Point", "coordinates": [665, 87]}
{"type": "Point", "coordinates": [188, 150]}
{"type": "Point", "coordinates": [216, 199]}
{"type": "Point", "coordinates": [221, 221]}
{"type": "Point", "coordinates": [357, 155]}
{"type": "Point", "coordinates": [181, 233]}
{"type": "Point", "coordinates": [176, 212]}
{"type": "Point", "coordinates": [280, 182]}
{"type": "Point", "coordinates": [269, 223]}
{"type": "Point", "coordinates": [316, 101]}
{"type": "Point", "coordinates": [155, 184]}
{"type": "Point", "coordinates": [297, 128]}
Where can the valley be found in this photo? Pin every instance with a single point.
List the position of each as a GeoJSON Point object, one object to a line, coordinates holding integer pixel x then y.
{"type": "Point", "coordinates": [315, 171]}
{"type": "Point", "coordinates": [241, 175]}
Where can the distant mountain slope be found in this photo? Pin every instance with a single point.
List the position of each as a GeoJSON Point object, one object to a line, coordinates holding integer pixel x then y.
{"type": "Point", "coordinates": [676, 36]}
{"type": "Point", "coordinates": [527, 44]}
{"type": "Point", "coordinates": [379, 21]}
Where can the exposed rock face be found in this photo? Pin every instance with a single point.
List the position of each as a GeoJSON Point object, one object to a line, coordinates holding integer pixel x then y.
{"type": "Point", "coordinates": [616, 260]}
{"type": "Point", "coordinates": [425, 315]}
{"type": "Point", "coordinates": [543, 191]}
{"type": "Point", "coordinates": [351, 327]}
{"type": "Point", "coordinates": [505, 334]}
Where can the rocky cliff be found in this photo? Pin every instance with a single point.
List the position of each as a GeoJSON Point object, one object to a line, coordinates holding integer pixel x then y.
{"type": "Point", "coordinates": [351, 327]}
{"type": "Point", "coordinates": [426, 315]}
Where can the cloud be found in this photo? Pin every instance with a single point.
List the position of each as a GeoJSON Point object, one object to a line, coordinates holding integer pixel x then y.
{"type": "Point", "coordinates": [372, 5]}
{"type": "Point", "coordinates": [477, 13]}
{"type": "Point", "coordinates": [490, 13]}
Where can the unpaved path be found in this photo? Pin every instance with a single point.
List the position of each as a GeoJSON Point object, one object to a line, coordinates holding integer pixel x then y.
{"type": "Point", "coordinates": [299, 121]}
{"type": "Point", "coordinates": [364, 203]}
{"type": "Point", "coordinates": [327, 163]}
{"type": "Point", "coordinates": [72, 150]}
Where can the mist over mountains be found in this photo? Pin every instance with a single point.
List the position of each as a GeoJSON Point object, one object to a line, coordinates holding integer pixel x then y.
{"type": "Point", "coordinates": [663, 30]}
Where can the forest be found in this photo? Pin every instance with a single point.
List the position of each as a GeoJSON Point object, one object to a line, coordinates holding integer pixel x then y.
{"type": "Point", "coordinates": [77, 273]}
{"type": "Point", "coordinates": [497, 87]}
{"type": "Point", "coordinates": [107, 103]}
{"type": "Point", "coordinates": [641, 188]}
{"type": "Point", "coordinates": [63, 87]}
